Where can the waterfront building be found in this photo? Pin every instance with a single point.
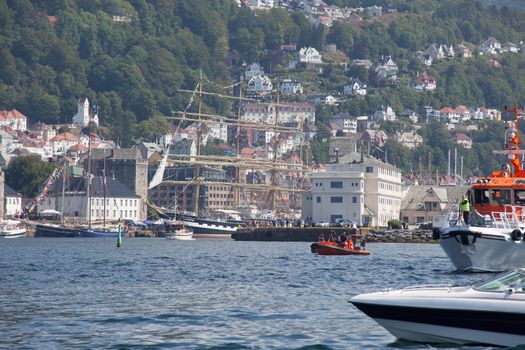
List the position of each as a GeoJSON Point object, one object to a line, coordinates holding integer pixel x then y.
{"type": "Point", "coordinates": [368, 191]}
{"type": "Point", "coordinates": [421, 203]}
{"type": "Point", "coordinates": [218, 195]}
{"type": "Point", "coordinates": [12, 202]}
{"type": "Point", "coordinates": [125, 165]}
{"type": "Point", "coordinates": [110, 200]}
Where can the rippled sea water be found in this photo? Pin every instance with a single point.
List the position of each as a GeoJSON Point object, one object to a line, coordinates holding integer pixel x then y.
{"type": "Point", "coordinates": [202, 294]}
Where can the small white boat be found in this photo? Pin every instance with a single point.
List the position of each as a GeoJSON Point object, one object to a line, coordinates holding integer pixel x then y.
{"type": "Point", "coordinates": [491, 312]}
{"type": "Point", "coordinates": [181, 234]}
{"type": "Point", "coordinates": [12, 229]}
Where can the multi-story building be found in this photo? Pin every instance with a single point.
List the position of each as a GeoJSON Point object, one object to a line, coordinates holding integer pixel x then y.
{"type": "Point", "coordinates": [110, 200]}
{"type": "Point", "coordinates": [286, 112]}
{"type": "Point", "coordinates": [211, 196]}
{"type": "Point", "coordinates": [368, 192]}
{"type": "Point", "coordinates": [12, 202]}
{"type": "Point", "coordinates": [13, 119]}
{"type": "Point", "coordinates": [125, 165]}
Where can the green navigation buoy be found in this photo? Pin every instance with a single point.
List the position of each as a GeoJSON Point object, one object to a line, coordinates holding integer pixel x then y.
{"type": "Point", "coordinates": [119, 239]}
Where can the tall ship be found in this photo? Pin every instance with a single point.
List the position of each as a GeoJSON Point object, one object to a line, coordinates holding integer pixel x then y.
{"type": "Point", "coordinates": [263, 167]}
{"type": "Point", "coordinates": [493, 239]}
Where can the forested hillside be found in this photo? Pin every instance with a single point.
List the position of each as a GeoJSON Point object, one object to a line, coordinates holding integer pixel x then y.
{"type": "Point", "coordinates": [131, 57]}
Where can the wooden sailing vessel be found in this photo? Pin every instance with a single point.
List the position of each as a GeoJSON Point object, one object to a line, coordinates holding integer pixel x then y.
{"type": "Point", "coordinates": [276, 169]}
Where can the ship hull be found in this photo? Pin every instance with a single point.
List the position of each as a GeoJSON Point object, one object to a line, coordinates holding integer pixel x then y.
{"type": "Point", "coordinates": [482, 249]}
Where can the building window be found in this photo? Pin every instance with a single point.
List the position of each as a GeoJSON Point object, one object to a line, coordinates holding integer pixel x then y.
{"type": "Point", "coordinates": [369, 169]}
{"type": "Point", "coordinates": [336, 184]}
{"type": "Point", "coordinates": [336, 199]}
{"type": "Point", "coordinates": [318, 199]}
{"type": "Point", "coordinates": [354, 199]}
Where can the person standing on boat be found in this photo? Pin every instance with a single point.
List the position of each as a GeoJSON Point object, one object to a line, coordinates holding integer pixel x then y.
{"type": "Point", "coordinates": [464, 205]}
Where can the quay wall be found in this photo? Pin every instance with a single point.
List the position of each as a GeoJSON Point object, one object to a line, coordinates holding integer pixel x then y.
{"type": "Point", "coordinates": [311, 234]}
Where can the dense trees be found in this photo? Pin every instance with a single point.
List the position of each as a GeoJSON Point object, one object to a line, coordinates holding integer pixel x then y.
{"type": "Point", "coordinates": [133, 68]}
{"type": "Point", "coordinates": [25, 174]}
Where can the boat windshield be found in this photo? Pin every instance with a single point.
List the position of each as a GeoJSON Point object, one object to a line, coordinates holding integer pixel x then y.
{"type": "Point", "coordinates": [514, 279]}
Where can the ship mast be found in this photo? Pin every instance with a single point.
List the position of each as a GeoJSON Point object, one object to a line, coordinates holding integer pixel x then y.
{"type": "Point", "coordinates": [272, 166]}
{"type": "Point", "coordinates": [198, 166]}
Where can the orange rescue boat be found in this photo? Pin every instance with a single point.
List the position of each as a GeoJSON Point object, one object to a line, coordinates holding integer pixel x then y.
{"type": "Point", "coordinates": [341, 245]}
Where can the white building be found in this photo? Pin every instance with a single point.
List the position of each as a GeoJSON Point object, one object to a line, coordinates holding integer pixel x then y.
{"type": "Point", "coordinates": [253, 70]}
{"type": "Point", "coordinates": [62, 142]}
{"type": "Point", "coordinates": [259, 84]}
{"type": "Point", "coordinates": [309, 55]}
{"type": "Point", "coordinates": [368, 192]}
{"type": "Point", "coordinates": [491, 46]}
{"type": "Point", "coordinates": [287, 112]}
{"type": "Point", "coordinates": [355, 88]}
{"type": "Point", "coordinates": [289, 86]}
{"type": "Point", "coordinates": [120, 202]}
{"type": "Point", "coordinates": [12, 202]}
{"type": "Point", "coordinates": [385, 114]}
{"type": "Point", "coordinates": [84, 114]}
{"type": "Point", "coordinates": [13, 119]}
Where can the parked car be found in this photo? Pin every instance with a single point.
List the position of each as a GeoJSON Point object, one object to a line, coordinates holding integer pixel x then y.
{"type": "Point", "coordinates": [425, 226]}
{"type": "Point", "coordinates": [322, 223]}
{"type": "Point", "coordinates": [345, 223]}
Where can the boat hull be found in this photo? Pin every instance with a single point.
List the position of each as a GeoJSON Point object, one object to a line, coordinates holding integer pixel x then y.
{"type": "Point", "coordinates": [55, 232]}
{"type": "Point", "coordinates": [180, 235]}
{"type": "Point", "coordinates": [99, 234]}
{"type": "Point", "coordinates": [482, 249]}
{"type": "Point", "coordinates": [459, 315]}
{"type": "Point", "coordinates": [17, 233]}
{"type": "Point", "coordinates": [326, 249]}
{"type": "Point", "coordinates": [211, 227]}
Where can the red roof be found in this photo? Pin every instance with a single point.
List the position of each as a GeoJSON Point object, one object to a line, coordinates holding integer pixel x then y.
{"type": "Point", "coordinates": [12, 114]}
{"type": "Point", "coordinates": [461, 137]}
{"type": "Point", "coordinates": [66, 136]}
{"type": "Point", "coordinates": [78, 147]}
{"type": "Point", "coordinates": [446, 110]}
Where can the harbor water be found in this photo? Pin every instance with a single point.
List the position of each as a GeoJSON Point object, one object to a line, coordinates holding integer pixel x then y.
{"type": "Point", "coordinates": [202, 294]}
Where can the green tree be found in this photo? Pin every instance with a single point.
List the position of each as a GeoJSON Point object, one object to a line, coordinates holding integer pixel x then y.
{"type": "Point", "coordinates": [26, 174]}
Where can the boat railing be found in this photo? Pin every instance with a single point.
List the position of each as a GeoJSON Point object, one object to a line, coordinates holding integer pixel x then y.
{"type": "Point", "coordinates": [453, 215]}
{"type": "Point", "coordinates": [511, 218]}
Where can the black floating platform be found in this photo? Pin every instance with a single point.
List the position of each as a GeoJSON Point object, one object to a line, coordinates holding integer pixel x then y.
{"type": "Point", "coordinates": [289, 234]}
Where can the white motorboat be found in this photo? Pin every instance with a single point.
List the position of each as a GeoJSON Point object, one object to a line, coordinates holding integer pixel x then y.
{"type": "Point", "coordinates": [181, 234]}
{"type": "Point", "coordinates": [12, 229]}
{"type": "Point", "coordinates": [491, 312]}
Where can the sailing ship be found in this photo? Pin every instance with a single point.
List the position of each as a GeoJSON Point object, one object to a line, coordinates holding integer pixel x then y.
{"type": "Point", "coordinates": [82, 187]}
{"type": "Point", "coordinates": [204, 221]}
{"type": "Point", "coordinates": [492, 240]}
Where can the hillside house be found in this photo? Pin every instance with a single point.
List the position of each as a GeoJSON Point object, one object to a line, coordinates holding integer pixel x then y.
{"type": "Point", "coordinates": [289, 86]}
{"type": "Point", "coordinates": [355, 88]}
{"type": "Point", "coordinates": [385, 114]}
{"type": "Point", "coordinates": [491, 46]}
{"type": "Point", "coordinates": [424, 82]}
{"type": "Point", "coordinates": [409, 139]}
{"type": "Point", "coordinates": [260, 84]}
{"type": "Point", "coordinates": [253, 70]}
{"type": "Point", "coordinates": [309, 55]}
{"type": "Point", "coordinates": [13, 119]}
{"type": "Point", "coordinates": [323, 100]}
{"type": "Point", "coordinates": [462, 140]}
{"type": "Point", "coordinates": [449, 115]}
